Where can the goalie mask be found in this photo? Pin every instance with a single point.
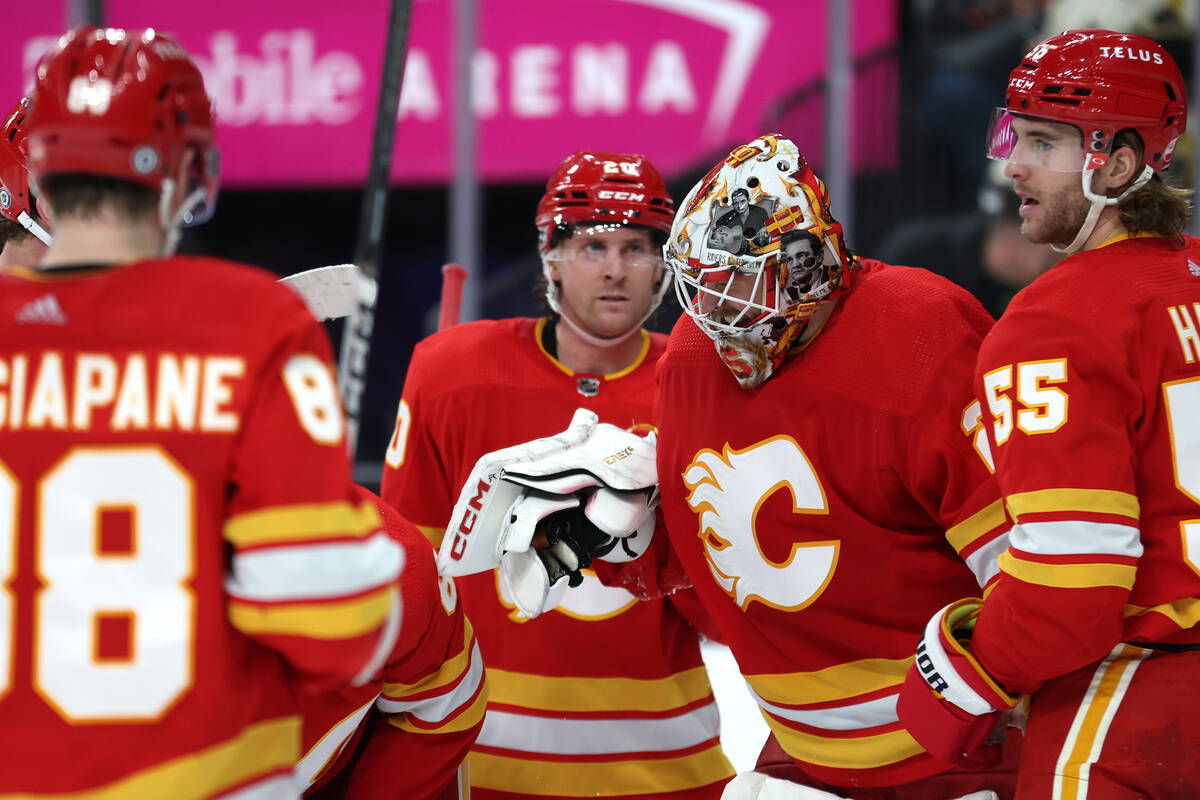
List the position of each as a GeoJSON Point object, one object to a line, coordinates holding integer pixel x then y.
{"type": "Point", "coordinates": [593, 193]}
{"type": "Point", "coordinates": [754, 252]}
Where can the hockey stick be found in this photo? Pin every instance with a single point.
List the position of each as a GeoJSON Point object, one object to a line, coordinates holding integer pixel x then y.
{"type": "Point", "coordinates": [453, 277]}
{"type": "Point", "coordinates": [368, 252]}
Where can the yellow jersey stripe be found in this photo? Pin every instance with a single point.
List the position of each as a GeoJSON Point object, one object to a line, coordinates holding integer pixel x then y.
{"type": "Point", "coordinates": [449, 672]}
{"type": "Point", "coordinates": [259, 750]}
{"type": "Point", "coordinates": [634, 778]}
{"type": "Point", "coordinates": [603, 694]}
{"type": "Point", "coordinates": [300, 522]}
{"type": "Point", "coordinates": [1090, 726]}
{"type": "Point", "coordinates": [1092, 501]}
{"type": "Point", "coordinates": [468, 718]}
{"type": "Point", "coordinates": [839, 682]}
{"type": "Point", "coordinates": [1185, 613]}
{"type": "Point", "coordinates": [1068, 576]}
{"type": "Point", "coordinates": [858, 752]}
{"type": "Point", "coordinates": [343, 619]}
{"type": "Point", "coordinates": [433, 533]}
{"type": "Point", "coordinates": [976, 525]}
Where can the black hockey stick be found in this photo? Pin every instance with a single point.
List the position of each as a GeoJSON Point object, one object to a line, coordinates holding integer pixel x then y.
{"type": "Point", "coordinates": [368, 252]}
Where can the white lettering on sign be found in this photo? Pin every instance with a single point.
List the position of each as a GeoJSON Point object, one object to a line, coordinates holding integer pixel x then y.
{"type": "Point", "coordinates": [286, 84]}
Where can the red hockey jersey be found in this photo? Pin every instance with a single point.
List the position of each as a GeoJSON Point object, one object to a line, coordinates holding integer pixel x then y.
{"type": "Point", "coordinates": [819, 514]}
{"type": "Point", "coordinates": [432, 694]}
{"type": "Point", "coordinates": [180, 542]}
{"type": "Point", "coordinates": [1091, 391]}
{"type": "Point", "coordinates": [604, 696]}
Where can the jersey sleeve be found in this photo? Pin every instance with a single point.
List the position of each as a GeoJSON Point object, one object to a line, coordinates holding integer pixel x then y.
{"type": "Point", "coordinates": [434, 689]}
{"type": "Point", "coordinates": [945, 461]}
{"type": "Point", "coordinates": [310, 574]}
{"type": "Point", "coordinates": [417, 475]}
{"type": "Point", "coordinates": [1059, 410]}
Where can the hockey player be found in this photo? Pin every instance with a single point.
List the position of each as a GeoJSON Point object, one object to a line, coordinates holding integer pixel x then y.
{"type": "Point", "coordinates": [23, 235]}
{"type": "Point", "coordinates": [1091, 400]}
{"type": "Point", "coordinates": [181, 547]}
{"type": "Point", "coordinates": [823, 478]}
{"type": "Point", "coordinates": [605, 696]}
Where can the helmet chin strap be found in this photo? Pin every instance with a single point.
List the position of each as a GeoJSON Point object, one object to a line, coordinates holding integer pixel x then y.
{"type": "Point", "coordinates": [597, 341]}
{"type": "Point", "coordinates": [30, 224]}
{"type": "Point", "coordinates": [172, 221]}
{"type": "Point", "coordinates": [1098, 203]}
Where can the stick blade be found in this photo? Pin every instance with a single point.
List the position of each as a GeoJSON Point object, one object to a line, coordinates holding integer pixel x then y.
{"type": "Point", "coordinates": [329, 291]}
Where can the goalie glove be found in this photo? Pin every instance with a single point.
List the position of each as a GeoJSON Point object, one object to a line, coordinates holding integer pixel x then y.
{"type": "Point", "coordinates": [608, 472]}
{"type": "Point", "coordinates": [475, 535]}
{"type": "Point", "coordinates": [948, 702]}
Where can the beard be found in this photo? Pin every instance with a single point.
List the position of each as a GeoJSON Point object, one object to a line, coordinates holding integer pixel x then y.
{"type": "Point", "coordinates": [1063, 215]}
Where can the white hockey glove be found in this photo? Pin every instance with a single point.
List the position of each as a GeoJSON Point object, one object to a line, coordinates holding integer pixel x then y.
{"type": "Point", "coordinates": [591, 491]}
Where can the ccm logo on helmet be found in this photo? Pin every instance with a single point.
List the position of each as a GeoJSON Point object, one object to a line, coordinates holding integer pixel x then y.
{"type": "Point", "coordinates": [609, 194]}
{"type": "Point", "coordinates": [1021, 83]}
{"type": "Point", "coordinates": [1131, 54]}
{"type": "Point", "coordinates": [929, 672]}
{"type": "Point", "coordinates": [468, 522]}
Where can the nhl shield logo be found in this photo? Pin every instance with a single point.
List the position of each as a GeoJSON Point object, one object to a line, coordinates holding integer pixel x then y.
{"type": "Point", "coordinates": [5, 198]}
{"type": "Point", "coordinates": [588, 387]}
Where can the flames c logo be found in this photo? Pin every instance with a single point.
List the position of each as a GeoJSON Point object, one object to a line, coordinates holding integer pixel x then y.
{"type": "Point", "coordinates": [727, 491]}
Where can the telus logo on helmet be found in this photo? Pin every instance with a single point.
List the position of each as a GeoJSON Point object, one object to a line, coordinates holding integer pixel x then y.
{"type": "Point", "coordinates": [1131, 54]}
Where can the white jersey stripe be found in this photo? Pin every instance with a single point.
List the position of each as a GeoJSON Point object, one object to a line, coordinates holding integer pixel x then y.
{"type": "Point", "coordinates": [851, 717]}
{"type": "Point", "coordinates": [983, 561]}
{"type": "Point", "coordinates": [435, 709]}
{"type": "Point", "coordinates": [572, 737]}
{"type": "Point", "coordinates": [334, 569]}
{"type": "Point", "coordinates": [1073, 537]}
{"type": "Point", "coordinates": [329, 746]}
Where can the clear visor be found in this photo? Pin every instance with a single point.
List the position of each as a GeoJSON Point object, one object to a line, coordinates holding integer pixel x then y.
{"type": "Point", "coordinates": [1034, 142]}
{"type": "Point", "coordinates": [627, 245]}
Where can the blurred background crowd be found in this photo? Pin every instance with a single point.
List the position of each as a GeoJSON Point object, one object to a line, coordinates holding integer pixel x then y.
{"type": "Point", "coordinates": [682, 81]}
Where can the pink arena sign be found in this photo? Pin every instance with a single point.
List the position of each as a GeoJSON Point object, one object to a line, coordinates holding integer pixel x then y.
{"type": "Point", "coordinates": [294, 81]}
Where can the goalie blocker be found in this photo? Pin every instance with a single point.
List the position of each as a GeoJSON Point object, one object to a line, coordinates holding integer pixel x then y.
{"type": "Point", "coordinates": [591, 490]}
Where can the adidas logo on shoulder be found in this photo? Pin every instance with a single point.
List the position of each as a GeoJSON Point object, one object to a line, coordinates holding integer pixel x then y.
{"type": "Point", "coordinates": [45, 310]}
{"type": "Point", "coordinates": [1193, 268]}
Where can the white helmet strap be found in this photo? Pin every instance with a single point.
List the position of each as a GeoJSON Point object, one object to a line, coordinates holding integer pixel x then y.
{"type": "Point", "coordinates": [1098, 203]}
{"type": "Point", "coordinates": [552, 299]}
{"type": "Point", "coordinates": [31, 225]}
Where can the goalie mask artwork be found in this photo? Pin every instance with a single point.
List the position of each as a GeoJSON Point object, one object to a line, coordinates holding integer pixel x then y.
{"type": "Point", "coordinates": [755, 252]}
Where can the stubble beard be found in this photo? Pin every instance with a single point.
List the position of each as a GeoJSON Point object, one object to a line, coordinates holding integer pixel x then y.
{"type": "Point", "coordinates": [1065, 215]}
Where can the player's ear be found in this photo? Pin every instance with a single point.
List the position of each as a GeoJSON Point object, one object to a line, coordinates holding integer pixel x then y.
{"type": "Point", "coordinates": [1122, 167]}
{"type": "Point", "coordinates": [43, 208]}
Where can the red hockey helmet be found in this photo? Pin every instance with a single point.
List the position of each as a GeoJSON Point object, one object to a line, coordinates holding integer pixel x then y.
{"type": "Point", "coordinates": [14, 164]}
{"type": "Point", "coordinates": [605, 188]}
{"type": "Point", "coordinates": [1103, 82]}
{"type": "Point", "coordinates": [124, 104]}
